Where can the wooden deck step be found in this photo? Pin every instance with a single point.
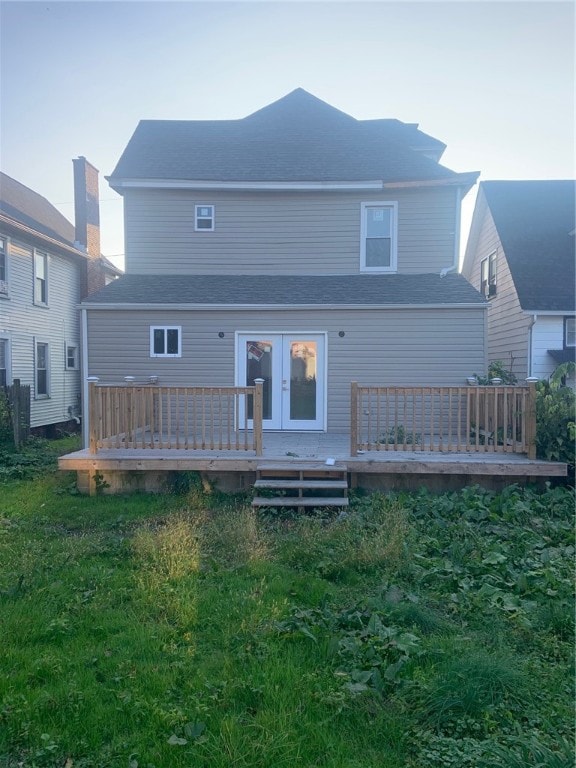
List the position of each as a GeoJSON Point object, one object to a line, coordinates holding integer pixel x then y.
{"type": "Point", "coordinates": [299, 501]}
{"type": "Point", "coordinates": [288, 483]}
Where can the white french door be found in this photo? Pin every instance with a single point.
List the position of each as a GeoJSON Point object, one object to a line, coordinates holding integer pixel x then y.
{"type": "Point", "coordinates": [293, 369]}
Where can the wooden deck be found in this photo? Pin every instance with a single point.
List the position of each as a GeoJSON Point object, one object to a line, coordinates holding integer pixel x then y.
{"type": "Point", "coordinates": [290, 447]}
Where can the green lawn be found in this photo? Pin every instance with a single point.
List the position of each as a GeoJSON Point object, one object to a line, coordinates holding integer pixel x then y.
{"type": "Point", "coordinates": [186, 630]}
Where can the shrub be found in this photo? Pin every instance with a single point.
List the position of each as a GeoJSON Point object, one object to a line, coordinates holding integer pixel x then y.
{"type": "Point", "coordinates": [555, 422]}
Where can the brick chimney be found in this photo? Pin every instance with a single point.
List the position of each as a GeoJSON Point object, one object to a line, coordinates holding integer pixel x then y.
{"type": "Point", "coordinates": [87, 220]}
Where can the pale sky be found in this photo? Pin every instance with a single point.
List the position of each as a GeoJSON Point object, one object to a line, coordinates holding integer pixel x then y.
{"type": "Point", "coordinates": [493, 80]}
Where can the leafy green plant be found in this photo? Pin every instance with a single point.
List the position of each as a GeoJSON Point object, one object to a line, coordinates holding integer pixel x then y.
{"type": "Point", "coordinates": [555, 422]}
{"type": "Point", "coordinates": [496, 370]}
{"type": "Point", "coordinates": [400, 436]}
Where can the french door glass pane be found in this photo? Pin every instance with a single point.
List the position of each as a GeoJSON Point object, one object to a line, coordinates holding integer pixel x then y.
{"type": "Point", "coordinates": [259, 366]}
{"type": "Point", "coordinates": [303, 362]}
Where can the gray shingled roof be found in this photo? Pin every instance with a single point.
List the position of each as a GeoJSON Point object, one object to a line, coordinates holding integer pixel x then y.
{"type": "Point", "coordinates": [297, 138]}
{"type": "Point", "coordinates": [535, 220]}
{"type": "Point", "coordinates": [31, 209]}
{"type": "Point", "coordinates": [256, 290]}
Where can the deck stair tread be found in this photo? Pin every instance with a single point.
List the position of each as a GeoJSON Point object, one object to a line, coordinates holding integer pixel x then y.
{"type": "Point", "coordinates": [296, 478]}
{"type": "Point", "coordinates": [288, 483]}
{"type": "Point", "coordinates": [299, 501]}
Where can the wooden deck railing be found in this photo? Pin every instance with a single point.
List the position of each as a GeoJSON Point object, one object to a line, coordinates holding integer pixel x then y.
{"type": "Point", "coordinates": [189, 418]}
{"type": "Point", "coordinates": [450, 419]}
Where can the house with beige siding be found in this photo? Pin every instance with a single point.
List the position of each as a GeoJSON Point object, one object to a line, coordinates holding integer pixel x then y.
{"type": "Point", "coordinates": [46, 266]}
{"type": "Point", "coordinates": [299, 246]}
{"type": "Point", "coordinates": [521, 256]}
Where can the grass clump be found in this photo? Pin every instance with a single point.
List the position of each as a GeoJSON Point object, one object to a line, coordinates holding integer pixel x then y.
{"type": "Point", "coordinates": [187, 629]}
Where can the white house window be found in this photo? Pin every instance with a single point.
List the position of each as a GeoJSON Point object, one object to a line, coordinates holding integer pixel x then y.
{"type": "Point", "coordinates": [488, 276]}
{"type": "Point", "coordinates": [71, 357]}
{"type": "Point", "coordinates": [378, 237]}
{"type": "Point", "coordinates": [42, 369]}
{"type": "Point", "coordinates": [165, 341]}
{"type": "Point", "coordinates": [204, 218]}
{"type": "Point", "coordinates": [4, 362]}
{"type": "Point", "coordinates": [570, 331]}
{"type": "Point", "coordinates": [3, 265]}
{"type": "Point", "coordinates": [40, 277]}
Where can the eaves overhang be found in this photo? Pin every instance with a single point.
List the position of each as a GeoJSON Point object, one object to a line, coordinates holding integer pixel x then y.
{"type": "Point", "coordinates": [144, 307]}
{"type": "Point", "coordinates": [44, 240]}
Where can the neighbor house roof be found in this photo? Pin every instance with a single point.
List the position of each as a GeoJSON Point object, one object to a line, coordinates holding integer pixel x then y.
{"type": "Point", "coordinates": [535, 221]}
{"type": "Point", "coordinates": [298, 138]}
{"type": "Point", "coordinates": [23, 206]}
{"type": "Point", "coordinates": [286, 290]}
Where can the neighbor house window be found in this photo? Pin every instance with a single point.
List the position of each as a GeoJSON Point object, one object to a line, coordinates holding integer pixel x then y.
{"type": "Point", "coordinates": [71, 357]}
{"type": "Point", "coordinates": [488, 276]}
{"type": "Point", "coordinates": [378, 237]}
{"type": "Point", "coordinates": [42, 369]}
{"type": "Point", "coordinates": [3, 265]}
{"type": "Point", "coordinates": [165, 341]}
{"type": "Point", "coordinates": [570, 331]}
{"type": "Point", "coordinates": [204, 218]}
{"type": "Point", "coordinates": [40, 277]}
{"type": "Point", "coordinates": [4, 362]}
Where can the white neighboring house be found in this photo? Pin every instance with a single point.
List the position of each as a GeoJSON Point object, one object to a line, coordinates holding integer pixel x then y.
{"type": "Point", "coordinates": [46, 268]}
{"type": "Point", "coordinates": [521, 256]}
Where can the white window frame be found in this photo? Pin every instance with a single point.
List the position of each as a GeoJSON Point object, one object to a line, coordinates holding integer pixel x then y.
{"type": "Point", "coordinates": [488, 275]}
{"type": "Point", "coordinates": [198, 217]}
{"type": "Point", "coordinates": [43, 395]}
{"type": "Point", "coordinates": [165, 329]}
{"type": "Point", "coordinates": [5, 339]}
{"type": "Point", "coordinates": [392, 206]}
{"type": "Point", "coordinates": [4, 250]}
{"type": "Point", "coordinates": [44, 255]}
{"type": "Point", "coordinates": [573, 333]}
{"type": "Point", "coordinates": [67, 366]}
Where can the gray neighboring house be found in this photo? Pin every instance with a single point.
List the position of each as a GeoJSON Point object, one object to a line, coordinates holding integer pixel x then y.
{"type": "Point", "coordinates": [46, 267]}
{"type": "Point", "coordinates": [298, 245]}
{"type": "Point", "coordinates": [521, 256]}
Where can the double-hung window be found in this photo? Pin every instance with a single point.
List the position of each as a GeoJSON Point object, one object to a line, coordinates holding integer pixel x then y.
{"type": "Point", "coordinates": [42, 366]}
{"type": "Point", "coordinates": [570, 331]}
{"type": "Point", "coordinates": [71, 352]}
{"type": "Point", "coordinates": [378, 227]}
{"type": "Point", "coordinates": [204, 218]}
{"type": "Point", "coordinates": [40, 277]}
{"type": "Point", "coordinates": [3, 265]}
{"type": "Point", "coordinates": [165, 341]}
{"type": "Point", "coordinates": [488, 276]}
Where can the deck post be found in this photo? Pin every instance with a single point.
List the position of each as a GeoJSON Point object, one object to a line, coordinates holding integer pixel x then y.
{"type": "Point", "coordinates": [530, 420]}
{"type": "Point", "coordinates": [354, 418]}
{"type": "Point", "coordinates": [258, 411]}
{"type": "Point", "coordinates": [92, 416]}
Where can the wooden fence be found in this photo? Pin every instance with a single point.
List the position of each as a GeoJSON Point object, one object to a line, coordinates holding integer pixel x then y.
{"type": "Point", "coordinates": [189, 418]}
{"type": "Point", "coordinates": [450, 419]}
{"type": "Point", "coordinates": [18, 398]}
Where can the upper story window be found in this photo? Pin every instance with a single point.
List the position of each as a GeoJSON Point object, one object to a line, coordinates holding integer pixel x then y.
{"type": "Point", "coordinates": [42, 370]}
{"type": "Point", "coordinates": [488, 276]}
{"type": "Point", "coordinates": [165, 341]}
{"type": "Point", "coordinates": [40, 277]}
{"type": "Point", "coordinates": [570, 331]}
{"type": "Point", "coordinates": [204, 218]}
{"type": "Point", "coordinates": [3, 265]}
{"type": "Point", "coordinates": [378, 237]}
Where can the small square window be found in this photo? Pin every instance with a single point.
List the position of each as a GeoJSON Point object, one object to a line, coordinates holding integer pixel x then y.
{"type": "Point", "coordinates": [165, 341]}
{"type": "Point", "coordinates": [204, 218]}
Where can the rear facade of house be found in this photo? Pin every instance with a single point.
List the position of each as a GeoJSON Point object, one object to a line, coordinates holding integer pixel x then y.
{"type": "Point", "coordinates": [297, 245]}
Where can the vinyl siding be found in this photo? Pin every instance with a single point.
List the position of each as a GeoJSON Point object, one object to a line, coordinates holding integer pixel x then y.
{"type": "Point", "coordinates": [547, 333]}
{"type": "Point", "coordinates": [508, 325]}
{"type": "Point", "coordinates": [280, 232]}
{"type": "Point", "coordinates": [410, 347]}
{"type": "Point", "coordinates": [57, 324]}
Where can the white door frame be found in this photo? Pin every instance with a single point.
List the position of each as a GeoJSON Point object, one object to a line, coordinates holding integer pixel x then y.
{"type": "Point", "coordinates": [280, 394]}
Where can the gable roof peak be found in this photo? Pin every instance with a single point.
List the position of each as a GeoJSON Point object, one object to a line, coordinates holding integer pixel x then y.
{"type": "Point", "coordinates": [299, 106]}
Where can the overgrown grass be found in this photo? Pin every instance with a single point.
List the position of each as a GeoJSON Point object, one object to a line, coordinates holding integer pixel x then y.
{"type": "Point", "coordinates": [188, 630]}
